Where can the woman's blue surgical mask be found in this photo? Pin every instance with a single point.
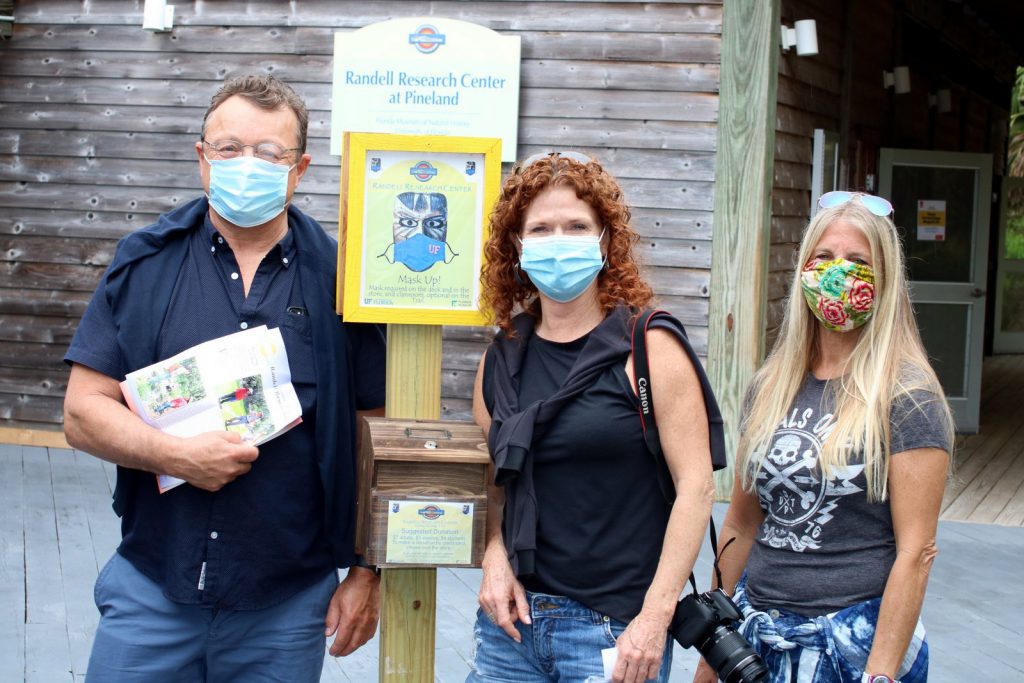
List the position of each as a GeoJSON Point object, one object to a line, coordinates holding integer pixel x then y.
{"type": "Point", "coordinates": [562, 266]}
{"type": "Point", "coordinates": [247, 191]}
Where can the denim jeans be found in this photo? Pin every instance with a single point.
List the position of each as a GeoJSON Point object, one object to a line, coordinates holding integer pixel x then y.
{"type": "Point", "coordinates": [564, 643]}
{"type": "Point", "coordinates": [143, 637]}
{"type": "Point", "coordinates": [832, 648]}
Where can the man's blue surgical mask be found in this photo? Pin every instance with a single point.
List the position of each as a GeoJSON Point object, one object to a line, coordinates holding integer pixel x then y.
{"type": "Point", "coordinates": [247, 191]}
{"type": "Point", "coordinates": [562, 266]}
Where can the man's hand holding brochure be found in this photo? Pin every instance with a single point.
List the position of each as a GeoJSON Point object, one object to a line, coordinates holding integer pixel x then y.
{"type": "Point", "coordinates": [239, 383]}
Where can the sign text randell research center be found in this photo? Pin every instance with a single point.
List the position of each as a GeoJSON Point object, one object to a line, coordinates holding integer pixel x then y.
{"type": "Point", "coordinates": [426, 76]}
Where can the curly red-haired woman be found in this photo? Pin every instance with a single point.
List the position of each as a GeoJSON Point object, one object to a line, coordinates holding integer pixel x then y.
{"type": "Point", "coordinates": [584, 553]}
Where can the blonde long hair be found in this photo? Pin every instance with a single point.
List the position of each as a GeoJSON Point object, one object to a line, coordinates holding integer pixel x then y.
{"type": "Point", "coordinates": [888, 363]}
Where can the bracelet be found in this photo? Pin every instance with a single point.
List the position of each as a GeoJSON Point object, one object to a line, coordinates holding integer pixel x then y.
{"type": "Point", "coordinates": [361, 562]}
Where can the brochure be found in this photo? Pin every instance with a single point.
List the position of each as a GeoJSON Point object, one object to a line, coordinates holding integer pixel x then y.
{"type": "Point", "coordinates": [239, 383]}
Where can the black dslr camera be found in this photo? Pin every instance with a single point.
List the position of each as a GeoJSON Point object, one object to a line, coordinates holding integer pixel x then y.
{"type": "Point", "coordinates": [706, 621]}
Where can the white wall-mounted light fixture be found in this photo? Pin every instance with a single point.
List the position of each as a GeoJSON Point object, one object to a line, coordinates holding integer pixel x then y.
{"type": "Point", "coordinates": [803, 35]}
{"type": "Point", "coordinates": [942, 100]}
{"type": "Point", "coordinates": [6, 26]}
{"type": "Point", "coordinates": [898, 79]}
{"type": "Point", "coordinates": [157, 15]}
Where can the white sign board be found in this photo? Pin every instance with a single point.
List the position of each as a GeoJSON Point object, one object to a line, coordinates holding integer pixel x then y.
{"type": "Point", "coordinates": [426, 76]}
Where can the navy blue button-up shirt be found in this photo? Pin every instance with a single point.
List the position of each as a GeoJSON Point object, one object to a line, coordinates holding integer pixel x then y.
{"type": "Point", "coordinates": [261, 538]}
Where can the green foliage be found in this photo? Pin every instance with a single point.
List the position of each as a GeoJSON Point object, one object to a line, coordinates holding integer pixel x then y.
{"type": "Point", "coordinates": [1015, 239]}
{"type": "Point", "coordinates": [191, 384]}
{"type": "Point", "coordinates": [1015, 153]}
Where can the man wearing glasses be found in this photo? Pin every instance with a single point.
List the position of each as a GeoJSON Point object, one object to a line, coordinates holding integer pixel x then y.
{"type": "Point", "coordinates": [232, 577]}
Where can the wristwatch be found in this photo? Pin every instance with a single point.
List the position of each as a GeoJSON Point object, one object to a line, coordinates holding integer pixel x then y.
{"type": "Point", "coordinates": [876, 678]}
{"type": "Point", "coordinates": [361, 562]}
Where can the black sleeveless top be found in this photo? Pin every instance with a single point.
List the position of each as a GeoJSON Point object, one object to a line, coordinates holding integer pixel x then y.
{"type": "Point", "coordinates": [601, 517]}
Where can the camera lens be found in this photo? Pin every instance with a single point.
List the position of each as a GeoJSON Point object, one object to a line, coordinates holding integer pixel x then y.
{"type": "Point", "coordinates": [750, 669]}
{"type": "Point", "coordinates": [730, 655]}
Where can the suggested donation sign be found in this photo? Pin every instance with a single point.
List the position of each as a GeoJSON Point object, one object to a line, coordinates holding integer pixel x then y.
{"type": "Point", "coordinates": [426, 76]}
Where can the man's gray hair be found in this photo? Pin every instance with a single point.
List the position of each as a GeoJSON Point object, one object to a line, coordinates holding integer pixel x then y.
{"type": "Point", "coordinates": [266, 92]}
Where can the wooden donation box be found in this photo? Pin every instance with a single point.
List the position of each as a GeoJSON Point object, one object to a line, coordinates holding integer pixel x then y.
{"type": "Point", "coordinates": [422, 498]}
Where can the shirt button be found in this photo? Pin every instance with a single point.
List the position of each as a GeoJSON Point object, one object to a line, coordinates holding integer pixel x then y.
{"type": "Point", "coordinates": [213, 535]}
{"type": "Point", "coordinates": [213, 250]}
{"type": "Point", "coordinates": [284, 261]}
{"type": "Point", "coordinates": [244, 326]}
{"type": "Point", "coordinates": [234, 276]}
{"type": "Point", "coordinates": [220, 240]}
{"type": "Point", "coordinates": [773, 613]}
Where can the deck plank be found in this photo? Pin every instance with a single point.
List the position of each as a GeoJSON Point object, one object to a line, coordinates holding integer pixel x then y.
{"type": "Point", "coordinates": [1013, 513]}
{"type": "Point", "coordinates": [983, 459]}
{"type": "Point", "coordinates": [104, 526]}
{"type": "Point", "coordinates": [12, 567]}
{"type": "Point", "coordinates": [999, 458]}
{"type": "Point", "coordinates": [972, 600]}
{"type": "Point", "coordinates": [110, 472]}
{"type": "Point", "coordinates": [47, 651]}
{"type": "Point", "coordinates": [1007, 486]}
{"type": "Point", "coordinates": [77, 557]}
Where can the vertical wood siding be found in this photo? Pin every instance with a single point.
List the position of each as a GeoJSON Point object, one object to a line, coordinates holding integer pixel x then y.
{"type": "Point", "coordinates": [98, 120]}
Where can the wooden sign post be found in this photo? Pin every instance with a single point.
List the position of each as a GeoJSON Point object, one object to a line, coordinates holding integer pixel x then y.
{"type": "Point", "coordinates": [414, 213]}
{"type": "Point", "coordinates": [409, 596]}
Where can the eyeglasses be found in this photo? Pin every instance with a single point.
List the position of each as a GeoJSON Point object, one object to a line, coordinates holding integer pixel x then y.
{"type": "Point", "coordinates": [268, 151]}
{"type": "Point", "coordinates": [876, 205]}
{"type": "Point", "coordinates": [534, 158]}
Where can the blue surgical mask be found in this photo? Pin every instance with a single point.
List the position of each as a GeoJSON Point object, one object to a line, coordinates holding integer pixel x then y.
{"type": "Point", "coordinates": [247, 191]}
{"type": "Point", "coordinates": [420, 252]}
{"type": "Point", "coordinates": [562, 266]}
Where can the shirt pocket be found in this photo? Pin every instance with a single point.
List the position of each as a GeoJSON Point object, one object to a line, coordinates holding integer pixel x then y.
{"type": "Point", "coordinates": [298, 340]}
{"type": "Point", "coordinates": [296, 320]}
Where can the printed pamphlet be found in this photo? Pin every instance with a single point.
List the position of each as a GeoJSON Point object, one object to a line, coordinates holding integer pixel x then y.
{"type": "Point", "coordinates": [240, 383]}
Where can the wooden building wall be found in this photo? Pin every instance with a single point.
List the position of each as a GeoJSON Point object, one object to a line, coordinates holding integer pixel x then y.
{"type": "Point", "coordinates": [841, 90]}
{"type": "Point", "coordinates": [98, 117]}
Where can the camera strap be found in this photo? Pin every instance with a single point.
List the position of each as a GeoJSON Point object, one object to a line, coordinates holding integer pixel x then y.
{"type": "Point", "coordinates": [652, 438]}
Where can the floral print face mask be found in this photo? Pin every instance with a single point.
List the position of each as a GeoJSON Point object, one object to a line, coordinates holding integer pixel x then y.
{"type": "Point", "coordinates": [840, 293]}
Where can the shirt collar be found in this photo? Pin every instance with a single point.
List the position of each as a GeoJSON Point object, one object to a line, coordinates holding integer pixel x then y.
{"type": "Point", "coordinates": [283, 250]}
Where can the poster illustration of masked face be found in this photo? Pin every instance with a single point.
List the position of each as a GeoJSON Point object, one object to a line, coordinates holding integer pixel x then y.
{"type": "Point", "coordinates": [420, 230]}
{"type": "Point", "coordinates": [421, 244]}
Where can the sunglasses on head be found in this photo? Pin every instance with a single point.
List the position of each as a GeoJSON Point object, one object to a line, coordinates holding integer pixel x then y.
{"type": "Point", "coordinates": [532, 159]}
{"type": "Point", "coordinates": [876, 205]}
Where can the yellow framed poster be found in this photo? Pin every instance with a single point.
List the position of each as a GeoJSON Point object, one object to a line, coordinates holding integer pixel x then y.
{"type": "Point", "coordinates": [414, 220]}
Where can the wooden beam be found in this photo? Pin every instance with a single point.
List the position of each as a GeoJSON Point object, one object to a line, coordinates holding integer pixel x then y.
{"type": "Point", "coordinates": [743, 188]}
{"type": "Point", "coordinates": [33, 437]}
{"type": "Point", "coordinates": [409, 596]}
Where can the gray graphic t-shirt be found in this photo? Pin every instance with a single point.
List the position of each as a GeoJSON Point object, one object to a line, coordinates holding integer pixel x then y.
{"type": "Point", "coordinates": [822, 545]}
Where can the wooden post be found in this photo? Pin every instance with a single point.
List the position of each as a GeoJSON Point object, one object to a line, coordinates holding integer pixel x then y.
{"type": "Point", "coordinates": [743, 203]}
{"type": "Point", "coordinates": [409, 596]}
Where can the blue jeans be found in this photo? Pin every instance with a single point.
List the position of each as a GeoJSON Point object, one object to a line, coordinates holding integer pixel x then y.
{"type": "Point", "coordinates": [564, 643]}
{"type": "Point", "coordinates": [143, 636]}
{"type": "Point", "coordinates": [832, 648]}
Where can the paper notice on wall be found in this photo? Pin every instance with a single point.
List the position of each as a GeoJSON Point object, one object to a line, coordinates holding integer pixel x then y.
{"type": "Point", "coordinates": [931, 220]}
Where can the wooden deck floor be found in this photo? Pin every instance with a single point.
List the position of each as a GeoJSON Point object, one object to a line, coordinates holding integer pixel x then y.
{"type": "Point", "coordinates": [988, 478]}
{"type": "Point", "coordinates": [57, 530]}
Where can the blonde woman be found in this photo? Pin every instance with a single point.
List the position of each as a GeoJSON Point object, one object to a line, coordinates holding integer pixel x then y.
{"type": "Point", "coordinates": [842, 462]}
